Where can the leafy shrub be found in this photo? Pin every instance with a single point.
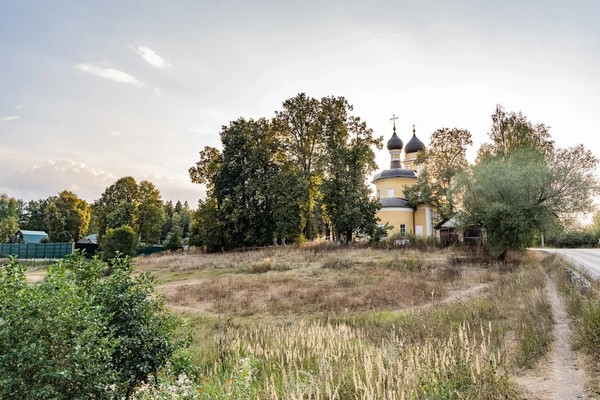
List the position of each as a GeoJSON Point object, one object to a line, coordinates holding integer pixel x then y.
{"type": "Point", "coordinates": [573, 239]}
{"type": "Point", "coordinates": [121, 241]}
{"type": "Point", "coordinates": [80, 334]}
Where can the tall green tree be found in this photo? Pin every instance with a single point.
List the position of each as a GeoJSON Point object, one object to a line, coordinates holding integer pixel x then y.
{"type": "Point", "coordinates": [206, 229]}
{"type": "Point", "coordinates": [34, 214]}
{"type": "Point", "coordinates": [518, 194]}
{"type": "Point", "coordinates": [350, 159]}
{"type": "Point", "coordinates": [116, 206]}
{"type": "Point", "coordinates": [138, 206]}
{"type": "Point", "coordinates": [512, 130]}
{"type": "Point", "coordinates": [150, 215]}
{"type": "Point", "coordinates": [443, 160]}
{"type": "Point", "coordinates": [243, 186]}
{"type": "Point", "coordinates": [247, 189]}
{"type": "Point", "coordinates": [9, 218]}
{"type": "Point", "coordinates": [303, 148]}
{"type": "Point", "coordinates": [67, 217]}
{"type": "Point", "coordinates": [174, 240]}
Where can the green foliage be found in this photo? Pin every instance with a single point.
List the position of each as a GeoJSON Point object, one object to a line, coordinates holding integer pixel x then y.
{"type": "Point", "coordinates": [127, 203]}
{"type": "Point", "coordinates": [443, 160]}
{"type": "Point", "coordinates": [34, 214]}
{"type": "Point", "coordinates": [205, 229]}
{"type": "Point", "coordinates": [349, 160]}
{"type": "Point", "coordinates": [80, 334]}
{"type": "Point", "coordinates": [143, 332]}
{"type": "Point", "coordinates": [9, 222]}
{"type": "Point", "coordinates": [499, 197]}
{"type": "Point", "coordinates": [150, 215]}
{"type": "Point", "coordinates": [298, 175]}
{"type": "Point", "coordinates": [67, 217]}
{"type": "Point", "coordinates": [247, 190]}
{"type": "Point", "coordinates": [53, 343]}
{"type": "Point", "coordinates": [121, 241]}
{"type": "Point", "coordinates": [512, 131]}
{"type": "Point", "coordinates": [174, 238]}
{"type": "Point", "coordinates": [573, 239]}
{"type": "Point", "coordinates": [299, 129]}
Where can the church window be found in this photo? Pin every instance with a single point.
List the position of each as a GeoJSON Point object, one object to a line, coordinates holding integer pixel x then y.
{"type": "Point", "coordinates": [390, 192]}
{"type": "Point", "coordinates": [378, 194]}
{"type": "Point", "coordinates": [402, 229]}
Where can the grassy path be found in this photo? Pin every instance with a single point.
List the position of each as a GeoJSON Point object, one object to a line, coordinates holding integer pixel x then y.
{"type": "Point", "coordinates": [558, 375]}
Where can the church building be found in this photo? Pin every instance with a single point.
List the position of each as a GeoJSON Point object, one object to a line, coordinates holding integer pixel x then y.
{"type": "Point", "coordinates": [390, 184]}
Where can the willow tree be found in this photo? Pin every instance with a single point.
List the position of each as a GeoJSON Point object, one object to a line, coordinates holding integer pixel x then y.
{"type": "Point", "coordinates": [518, 190]}
{"type": "Point", "coordinates": [512, 130]}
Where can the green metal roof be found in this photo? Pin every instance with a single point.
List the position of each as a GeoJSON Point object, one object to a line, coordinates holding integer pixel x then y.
{"type": "Point", "coordinates": [32, 236]}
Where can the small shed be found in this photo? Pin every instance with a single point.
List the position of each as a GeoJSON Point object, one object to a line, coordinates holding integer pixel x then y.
{"type": "Point", "coordinates": [447, 233]}
{"type": "Point", "coordinates": [24, 236]}
{"type": "Point", "coordinates": [93, 238]}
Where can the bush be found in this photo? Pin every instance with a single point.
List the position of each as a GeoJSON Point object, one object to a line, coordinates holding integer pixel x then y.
{"type": "Point", "coordinates": [80, 334]}
{"type": "Point", "coordinates": [573, 239]}
{"type": "Point", "coordinates": [121, 241]}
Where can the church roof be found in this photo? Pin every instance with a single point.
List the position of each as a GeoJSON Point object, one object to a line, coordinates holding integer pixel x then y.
{"type": "Point", "coordinates": [394, 202]}
{"type": "Point", "coordinates": [414, 145]}
{"type": "Point", "coordinates": [394, 173]}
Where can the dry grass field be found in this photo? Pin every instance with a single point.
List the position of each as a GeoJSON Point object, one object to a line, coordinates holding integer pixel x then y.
{"type": "Point", "coordinates": [301, 282]}
{"type": "Point", "coordinates": [317, 322]}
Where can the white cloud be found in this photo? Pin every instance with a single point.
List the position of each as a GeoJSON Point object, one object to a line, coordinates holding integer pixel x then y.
{"type": "Point", "coordinates": [152, 58]}
{"type": "Point", "coordinates": [110, 73]}
{"type": "Point", "coordinates": [10, 118]}
{"type": "Point", "coordinates": [54, 176]}
{"type": "Point", "coordinates": [115, 133]}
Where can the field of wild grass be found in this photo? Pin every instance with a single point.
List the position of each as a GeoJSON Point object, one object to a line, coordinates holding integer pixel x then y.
{"type": "Point", "coordinates": [356, 323]}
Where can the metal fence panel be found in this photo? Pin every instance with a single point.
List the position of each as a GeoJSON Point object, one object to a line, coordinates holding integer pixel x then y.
{"type": "Point", "coordinates": [36, 250]}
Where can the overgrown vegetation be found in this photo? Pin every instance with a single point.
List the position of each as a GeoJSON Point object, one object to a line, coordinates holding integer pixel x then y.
{"type": "Point", "coordinates": [88, 330]}
{"type": "Point", "coordinates": [318, 322]}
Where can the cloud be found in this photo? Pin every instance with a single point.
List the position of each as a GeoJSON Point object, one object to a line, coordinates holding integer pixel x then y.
{"type": "Point", "coordinates": [54, 176]}
{"type": "Point", "coordinates": [110, 73]}
{"type": "Point", "coordinates": [152, 58]}
{"type": "Point", "coordinates": [115, 133]}
{"type": "Point", "coordinates": [10, 118]}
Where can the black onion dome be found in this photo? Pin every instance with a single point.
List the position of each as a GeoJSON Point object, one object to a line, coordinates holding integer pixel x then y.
{"type": "Point", "coordinates": [395, 143]}
{"type": "Point", "coordinates": [414, 145]}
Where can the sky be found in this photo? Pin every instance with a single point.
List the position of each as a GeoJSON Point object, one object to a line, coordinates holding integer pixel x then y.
{"type": "Point", "coordinates": [91, 91]}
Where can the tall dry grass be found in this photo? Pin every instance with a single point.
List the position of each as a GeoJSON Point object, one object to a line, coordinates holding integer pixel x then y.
{"type": "Point", "coordinates": [357, 323]}
{"type": "Point", "coordinates": [327, 361]}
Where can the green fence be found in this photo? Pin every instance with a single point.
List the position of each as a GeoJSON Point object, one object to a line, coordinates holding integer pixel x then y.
{"type": "Point", "coordinates": [36, 250]}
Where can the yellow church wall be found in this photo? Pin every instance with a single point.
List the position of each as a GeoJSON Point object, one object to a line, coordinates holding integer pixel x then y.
{"type": "Point", "coordinates": [397, 184]}
{"type": "Point", "coordinates": [396, 216]}
{"type": "Point", "coordinates": [424, 216]}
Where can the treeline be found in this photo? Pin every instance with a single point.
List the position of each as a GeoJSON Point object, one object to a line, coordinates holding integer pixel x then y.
{"type": "Point", "coordinates": [299, 175]}
{"type": "Point", "coordinates": [303, 174]}
{"type": "Point", "coordinates": [126, 209]}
